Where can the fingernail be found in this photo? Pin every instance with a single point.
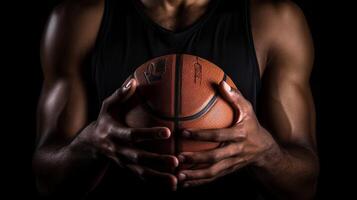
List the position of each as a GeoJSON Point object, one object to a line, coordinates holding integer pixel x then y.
{"type": "Point", "coordinates": [164, 134]}
{"type": "Point", "coordinates": [226, 86]}
{"type": "Point", "coordinates": [176, 163]}
{"type": "Point", "coordinates": [128, 84]}
{"type": "Point", "coordinates": [181, 158]}
{"type": "Point", "coordinates": [181, 176]}
{"type": "Point", "coordinates": [186, 185]}
{"type": "Point", "coordinates": [186, 134]}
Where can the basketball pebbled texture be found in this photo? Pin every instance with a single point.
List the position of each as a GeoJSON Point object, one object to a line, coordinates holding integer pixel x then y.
{"type": "Point", "coordinates": [179, 91]}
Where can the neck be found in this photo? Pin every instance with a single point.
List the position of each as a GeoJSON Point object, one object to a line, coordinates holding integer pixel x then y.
{"type": "Point", "coordinates": [173, 4]}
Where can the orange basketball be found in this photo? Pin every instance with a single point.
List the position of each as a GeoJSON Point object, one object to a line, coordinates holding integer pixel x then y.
{"type": "Point", "coordinates": [179, 91]}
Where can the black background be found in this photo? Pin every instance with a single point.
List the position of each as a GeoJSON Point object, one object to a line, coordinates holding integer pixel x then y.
{"type": "Point", "coordinates": [23, 85]}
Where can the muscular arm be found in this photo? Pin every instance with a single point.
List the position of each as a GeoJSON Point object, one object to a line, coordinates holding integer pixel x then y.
{"type": "Point", "coordinates": [62, 110]}
{"type": "Point", "coordinates": [290, 170]}
{"type": "Point", "coordinates": [72, 154]}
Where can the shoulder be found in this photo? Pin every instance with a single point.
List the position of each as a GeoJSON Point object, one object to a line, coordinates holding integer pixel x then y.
{"type": "Point", "coordinates": [71, 32]}
{"type": "Point", "coordinates": [77, 7]}
{"type": "Point", "coordinates": [277, 17]}
{"type": "Point", "coordinates": [280, 26]}
{"type": "Point", "coordinates": [277, 10]}
{"type": "Point", "coordinates": [74, 18]}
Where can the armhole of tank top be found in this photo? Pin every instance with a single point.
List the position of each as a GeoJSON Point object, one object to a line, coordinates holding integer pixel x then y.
{"type": "Point", "coordinates": [251, 44]}
{"type": "Point", "coordinates": [102, 32]}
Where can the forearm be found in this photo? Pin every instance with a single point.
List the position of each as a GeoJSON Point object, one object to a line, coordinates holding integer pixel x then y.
{"type": "Point", "coordinates": [289, 172]}
{"type": "Point", "coordinates": [70, 169]}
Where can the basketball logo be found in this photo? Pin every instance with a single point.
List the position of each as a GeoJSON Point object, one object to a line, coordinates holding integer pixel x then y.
{"type": "Point", "coordinates": [198, 72]}
{"type": "Point", "coordinates": [155, 70]}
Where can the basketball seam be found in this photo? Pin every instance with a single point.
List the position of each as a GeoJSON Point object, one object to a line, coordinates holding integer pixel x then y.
{"type": "Point", "coordinates": [177, 101]}
{"type": "Point", "coordinates": [197, 115]}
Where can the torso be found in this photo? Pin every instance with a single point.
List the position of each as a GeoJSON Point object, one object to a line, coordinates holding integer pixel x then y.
{"type": "Point", "coordinates": [117, 58]}
{"type": "Point", "coordinates": [219, 31]}
{"type": "Point", "coordinates": [119, 51]}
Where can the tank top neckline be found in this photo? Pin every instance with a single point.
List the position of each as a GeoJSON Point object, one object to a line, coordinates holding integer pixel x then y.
{"type": "Point", "coordinates": [139, 7]}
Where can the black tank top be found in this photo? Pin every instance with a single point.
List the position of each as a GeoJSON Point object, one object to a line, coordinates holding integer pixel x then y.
{"type": "Point", "coordinates": [128, 38]}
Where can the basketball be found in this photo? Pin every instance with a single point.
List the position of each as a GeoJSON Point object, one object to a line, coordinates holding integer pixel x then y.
{"type": "Point", "coordinates": [179, 91]}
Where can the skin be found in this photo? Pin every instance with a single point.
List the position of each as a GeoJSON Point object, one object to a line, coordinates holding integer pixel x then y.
{"type": "Point", "coordinates": [278, 146]}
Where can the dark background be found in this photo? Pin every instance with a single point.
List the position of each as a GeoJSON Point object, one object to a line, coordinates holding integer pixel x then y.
{"type": "Point", "coordinates": [25, 85]}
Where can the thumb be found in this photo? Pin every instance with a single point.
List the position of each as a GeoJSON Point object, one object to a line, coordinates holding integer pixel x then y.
{"type": "Point", "coordinates": [123, 93]}
{"type": "Point", "coordinates": [126, 90]}
{"type": "Point", "coordinates": [231, 96]}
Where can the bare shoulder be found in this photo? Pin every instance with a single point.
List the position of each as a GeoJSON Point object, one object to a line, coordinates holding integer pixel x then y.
{"type": "Point", "coordinates": [276, 5]}
{"type": "Point", "coordinates": [76, 15]}
{"type": "Point", "coordinates": [280, 27]}
{"type": "Point", "coordinates": [277, 12]}
{"type": "Point", "coordinates": [70, 32]}
{"type": "Point", "coordinates": [77, 7]}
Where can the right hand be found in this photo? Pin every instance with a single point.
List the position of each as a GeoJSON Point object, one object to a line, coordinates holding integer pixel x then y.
{"type": "Point", "coordinates": [111, 138]}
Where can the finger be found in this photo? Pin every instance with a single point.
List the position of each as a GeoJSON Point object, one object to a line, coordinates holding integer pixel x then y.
{"type": "Point", "coordinates": [235, 98]}
{"type": "Point", "coordinates": [212, 171]}
{"type": "Point", "coordinates": [215, 135]}
{"type": "Point", "coordinates": [125, 134]}
{"type": "Point", "coordinates": [197, 182]}
{"type": "Point", "coordinates": [115, 159]}
{"type": "Point", "coordinates": [211, 156]}
{"type": "Point", "coordinates": [121, 94]}
{"type": "Point", "coordinates": [152, 160]}
{"type": "Point", "coordinates": [163, 180]}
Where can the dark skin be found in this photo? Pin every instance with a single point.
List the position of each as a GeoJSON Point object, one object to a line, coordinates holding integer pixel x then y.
{"type": "Point", "coordinates": [279, 146]}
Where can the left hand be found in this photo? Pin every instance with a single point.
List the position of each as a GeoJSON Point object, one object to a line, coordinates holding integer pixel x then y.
{"type": "Point", "coordinates": [246, 143]}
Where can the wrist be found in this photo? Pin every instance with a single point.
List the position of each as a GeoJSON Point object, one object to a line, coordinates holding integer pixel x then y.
{"type": "Point", "coordinates": [272, 153]}
{"type": "Point", "coordinates": [83, 144]}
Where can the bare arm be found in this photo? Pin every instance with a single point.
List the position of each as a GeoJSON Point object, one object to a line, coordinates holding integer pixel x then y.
{"type": "Point", "coordinates": [287, 106]}
{"type": "Point", "coordinates": [72, 153]}
{"type": "Point", "coordinates": [62, 110]}
{"type": "Point", "coordinates": [280, 146]}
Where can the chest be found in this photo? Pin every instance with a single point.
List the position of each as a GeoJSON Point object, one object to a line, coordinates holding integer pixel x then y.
{"type": "Point", "coordinates": [130, 39]}
{"type": "Point", "coordinates": [175, 19]}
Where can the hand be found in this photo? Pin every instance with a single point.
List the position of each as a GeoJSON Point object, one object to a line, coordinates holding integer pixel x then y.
{"type": "Point", "coordinates": [111, 138]}
{"type": "Point", "coordinates": [246, 142]}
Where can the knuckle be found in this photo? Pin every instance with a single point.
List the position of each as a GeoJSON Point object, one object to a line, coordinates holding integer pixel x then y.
{"type": "Point", "coordinates": [103, 130]}
{"type": "Point", "coordinates": [141, 173]}
{"type": "Point", "coordinates": [215, 135]}
{"type": "Point", "coordinates": [101, 124]}
{"type": "Point", "coordinates": [232, 151]}
{"type": "Point", "coordinates": [137, 170]}
{"type": "Point", "coordinates": [214, 156]}
{"type": "Point", "coordinates": [240, 148]}
{"type": "Point", "coordinates": [210, 172]}
{"type": "Point", "coordinates": [239, 135]}
{"type": "Point", "coordinates": [194, 135]}
{"type": "Point", "coordinates": [131, 135]}
{"type": "Point", "coordinates": [108, 148]}
{"type": "Point", "coordinates": [137, 158]}
{"type": "Point", "coordinates": [107, 130]}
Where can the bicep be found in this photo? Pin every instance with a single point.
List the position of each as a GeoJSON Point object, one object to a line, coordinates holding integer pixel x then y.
{"type": "Point", "coordinates": [67, 41]}
{"type": "Point", "coordinates": [61, 111]}
{"type": "Point", "coordinates": [287, 103]}
{"type": "Point", "coordinates": [288, 112]}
